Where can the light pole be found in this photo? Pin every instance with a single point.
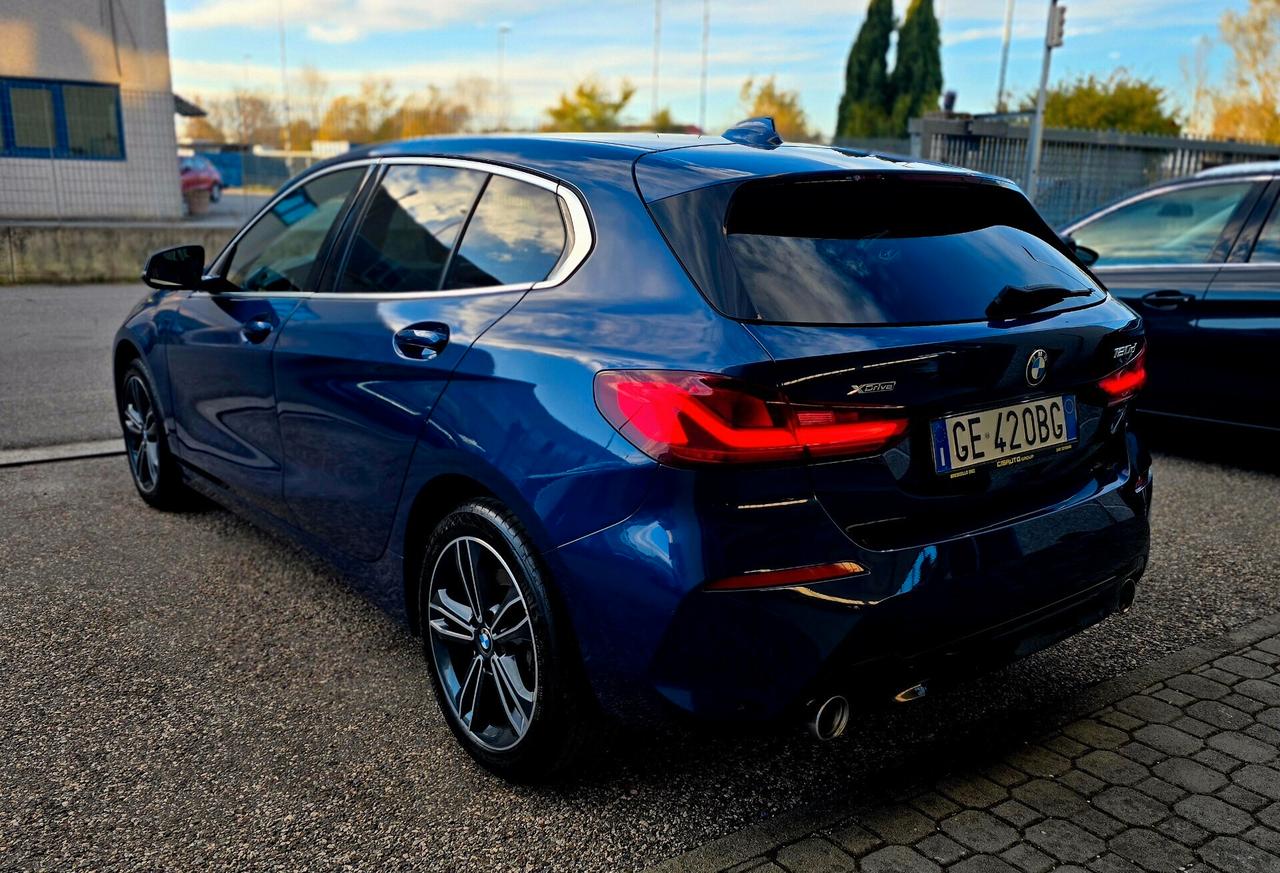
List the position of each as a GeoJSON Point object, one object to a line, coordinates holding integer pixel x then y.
{"type": "Point", "coordinates": [1035, 137]}
{"type": "Point", "coordinates": [503, 30]}
{"type": "Point", "coordinates": [706, 37]}
{"type": "Point", "coordinates": [1004, 54]}
{"type": "Point", "coordinates": [657, 44]}
{"type": "Point", "coordinates": [284, 78]}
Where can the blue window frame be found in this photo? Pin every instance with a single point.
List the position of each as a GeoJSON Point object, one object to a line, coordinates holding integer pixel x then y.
{"type": "Point", "coordinates": [44, 118]}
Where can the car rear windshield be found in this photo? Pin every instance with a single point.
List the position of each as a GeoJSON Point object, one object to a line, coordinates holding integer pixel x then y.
{"type": "Point", "coordinates": [866, 250]}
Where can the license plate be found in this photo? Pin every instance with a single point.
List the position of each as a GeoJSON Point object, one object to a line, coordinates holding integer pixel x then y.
{"type": "Point", "coordinates": [1004, 435]}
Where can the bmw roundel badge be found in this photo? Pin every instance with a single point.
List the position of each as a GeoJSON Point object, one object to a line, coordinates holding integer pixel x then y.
{"type": "Point", "coordinates": [1037, 367]}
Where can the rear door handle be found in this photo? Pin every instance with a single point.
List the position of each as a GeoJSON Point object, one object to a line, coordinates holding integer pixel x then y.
{"type": "Point", "coordinates": [423, 341]}
{"type": "Point", "coordinates": [257, 330]}
{"type": "Point", "coordinates": [1168, 298]}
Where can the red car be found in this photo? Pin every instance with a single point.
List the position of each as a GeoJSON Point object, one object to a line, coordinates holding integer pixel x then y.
{"type": "Point", "coordinates": [199, 174]}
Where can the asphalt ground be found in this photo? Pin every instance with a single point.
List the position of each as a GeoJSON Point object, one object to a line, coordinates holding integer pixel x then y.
{"type": "Point", "coordinates": [184, 691]}
{"type": "Point", "coordinates": [55, 361]}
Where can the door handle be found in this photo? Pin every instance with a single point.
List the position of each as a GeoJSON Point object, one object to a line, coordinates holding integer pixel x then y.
{"type": "Point", "coordinates": [257, 330]}
{"type": "Point", "coordinates": [422, 342]}
{"type": "Point", "coordinates": [1168, 298]}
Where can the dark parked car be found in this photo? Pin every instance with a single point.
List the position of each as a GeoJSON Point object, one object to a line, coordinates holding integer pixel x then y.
{"type": "Point", "coordinates": [1199, 259]}
{"type": "Point", "coordinates": [199, 174]}
{"type": "Point", "coordinates": [659, 424]}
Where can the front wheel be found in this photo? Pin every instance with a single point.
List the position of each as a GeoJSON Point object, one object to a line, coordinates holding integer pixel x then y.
{"type": "Point", "coordinates": [155, 472]}
{"type": "Point", "coordinates": [503, 670]}
{"type": "Point", "coordinates": [215, 193]}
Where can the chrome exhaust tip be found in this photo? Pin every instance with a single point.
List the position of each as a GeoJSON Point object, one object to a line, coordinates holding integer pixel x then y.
{"type": "Point", "coordinates": [915, 692]}
{"type": "Point", "coordinates": [830, 718]}
{"type": "Point", "coordinates": [1124, 597]}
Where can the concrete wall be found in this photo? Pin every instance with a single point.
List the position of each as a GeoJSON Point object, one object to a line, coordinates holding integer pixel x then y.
{"type": "Point", "coordinates": [94, 252]}
{"type": "Point", "coordinates": [121, 42]}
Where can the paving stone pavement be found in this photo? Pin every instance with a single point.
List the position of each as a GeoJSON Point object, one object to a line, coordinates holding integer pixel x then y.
{"type": "Point", "coordinates": [1175, 767]}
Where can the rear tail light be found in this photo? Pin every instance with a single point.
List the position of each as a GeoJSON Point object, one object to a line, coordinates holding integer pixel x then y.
{"type": "Point", "coordinates": [1125, 383]}
{"type": "Point", "coordinates": [679, 417]}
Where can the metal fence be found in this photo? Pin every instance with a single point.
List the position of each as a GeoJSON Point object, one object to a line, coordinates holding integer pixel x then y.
{"type": "Point", "coordinates": [1080, 170]}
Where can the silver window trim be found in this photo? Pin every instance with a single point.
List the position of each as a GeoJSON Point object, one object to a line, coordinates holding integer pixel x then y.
{"type": "Point", "coordinates": [580, 237]}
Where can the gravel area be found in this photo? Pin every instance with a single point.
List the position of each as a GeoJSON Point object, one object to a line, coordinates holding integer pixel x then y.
{"type": "Point", "coordinates": [181, 691]}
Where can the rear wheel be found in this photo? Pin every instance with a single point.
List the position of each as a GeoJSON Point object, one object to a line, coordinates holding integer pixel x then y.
{"type": "Point", "coordinates": [503, 671]}
{"type": "Point", "coordinates": [155, 472]}
{"type": "Point", "coordinates": [215, 193]}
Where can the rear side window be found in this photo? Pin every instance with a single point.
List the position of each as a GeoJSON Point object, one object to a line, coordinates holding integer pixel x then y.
{"type": "Point", "coordinates": [516, 235]}
{"type": "Point", "coordinates": [870, 250]}
{"type": "Point", "coordinates": [409, 228]}
{"type": "Point", "coordinates": [1181, 226]}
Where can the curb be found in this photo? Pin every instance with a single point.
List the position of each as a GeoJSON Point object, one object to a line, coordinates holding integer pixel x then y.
{"type": "Point", "coordinates": [757, 839]}
{"type": "Point", "coordinates": [66, 452]}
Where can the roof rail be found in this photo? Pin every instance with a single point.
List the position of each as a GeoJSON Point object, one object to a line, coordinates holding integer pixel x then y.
{"type": "Point", "coordinates": [759, 133]}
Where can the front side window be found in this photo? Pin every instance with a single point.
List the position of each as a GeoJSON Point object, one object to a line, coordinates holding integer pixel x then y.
{"type": "Point", "coordinates": [516, 235]}
{"type": "Point", "coordinates": [1175, 227]}
{"type": "Point", "coordinates": [409, 229]}
{"type": "Point", "coordinates": [279, 251]}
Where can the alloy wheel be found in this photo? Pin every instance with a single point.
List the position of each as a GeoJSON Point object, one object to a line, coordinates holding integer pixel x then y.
{"type": "Point", "coordinates": [482, 643]}
{"type": "Point", "coordinates": [141, 433]}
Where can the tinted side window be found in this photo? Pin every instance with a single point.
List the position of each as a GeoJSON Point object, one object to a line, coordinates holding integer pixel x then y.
{"type": "Point", "coordinates": [516, 235]}
{"type": "Point", "coordinates": [1176, 227]}
{"type": "Point", "coordinates": [279, 251]}
{"type": "Point", "coordinates": [1267, 249]}
{"type": "Point", "coordinates": [409, 228]}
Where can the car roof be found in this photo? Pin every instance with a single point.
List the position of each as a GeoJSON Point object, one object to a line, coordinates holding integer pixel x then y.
{"type": "Point", "coordinates": [1247, 168]}
{"type": "Point", "coordinates": [672, 162]}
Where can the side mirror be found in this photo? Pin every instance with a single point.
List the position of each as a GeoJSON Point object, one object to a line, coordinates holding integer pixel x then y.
{"type": "Point", "coordinates": [1084, 254]}
{"type": "Point", "coordinates": [178, 267]}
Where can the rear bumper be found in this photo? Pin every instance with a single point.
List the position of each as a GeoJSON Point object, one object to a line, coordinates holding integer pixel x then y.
{"type": "Point", "coordinates": [653, 640]}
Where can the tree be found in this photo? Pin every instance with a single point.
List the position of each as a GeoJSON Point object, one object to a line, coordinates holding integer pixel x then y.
{"type": "Point", "coordinates": [589, 107]}
{"type": "Point", "coordinates": [314, 90]}
{"type": "Point", "coordinates": [663, 122]}
{"type": "Point", "coordinates": [1251, 108]}
{"type": "Point", "coordinates": [1118, 102]}
{"type": "Point", "coordinates": [426, 114]}
{"type": "Point", "coordinates": [866, 102]}
{"type": "Point", "coordinates": [917, 73]}
{"type": "Point", "coordinates": [768, 100]}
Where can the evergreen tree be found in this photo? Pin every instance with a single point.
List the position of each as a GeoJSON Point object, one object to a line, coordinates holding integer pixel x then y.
{"type": "Point", "coordinates": [865, 104]}
{"type": "Point", "coordinates": [917, 75]}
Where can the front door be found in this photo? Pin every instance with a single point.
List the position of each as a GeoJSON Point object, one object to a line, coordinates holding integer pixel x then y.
{"type": "Point", "coordinates": [220, 359]}
{"type": "Point", "coordinates": [439, 254]}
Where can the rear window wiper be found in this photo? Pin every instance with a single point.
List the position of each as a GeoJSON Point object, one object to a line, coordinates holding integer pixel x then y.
{"type": "Point", "coordinates": [1013, 300]}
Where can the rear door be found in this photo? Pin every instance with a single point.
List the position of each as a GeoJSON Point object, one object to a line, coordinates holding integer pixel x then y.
{"type": "Point", "coordinates": [1158, 253]}
{"type": "Point", "coordinates": [220, 358]}
{"type": "Point", "coordinates": [438, 252]}
{"type": "Point", "coordinates": [1240, 324]}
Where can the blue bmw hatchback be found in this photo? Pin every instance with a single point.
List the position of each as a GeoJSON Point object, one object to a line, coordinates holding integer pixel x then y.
{"type": "Point", "coordinates": [656, 424]}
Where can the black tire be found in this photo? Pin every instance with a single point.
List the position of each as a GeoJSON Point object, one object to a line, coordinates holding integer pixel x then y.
{"type": "Point", "coordinates": [556, 723]}
{"type": "Point", "coordinates": [215, 193]}
{"type": "Point", "coordinates": [153, 468]}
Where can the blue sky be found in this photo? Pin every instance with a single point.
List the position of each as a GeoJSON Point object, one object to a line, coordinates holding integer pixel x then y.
{"type": "Point", "coordinates": [218, 45]}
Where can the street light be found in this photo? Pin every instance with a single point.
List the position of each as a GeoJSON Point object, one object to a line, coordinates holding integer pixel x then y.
{"type": "Point", "coordinates": [1004, 54]}
{"type": "Point", "coordinates": [503, 30]}
{"type": "Point", "coordinates": [706, 34]}
{"type": "Point", "coordinates": [657, 43]}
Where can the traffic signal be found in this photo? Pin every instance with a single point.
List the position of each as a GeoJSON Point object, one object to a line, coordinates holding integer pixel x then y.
{"type": "Point", "coordinates": [1057, 26]}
